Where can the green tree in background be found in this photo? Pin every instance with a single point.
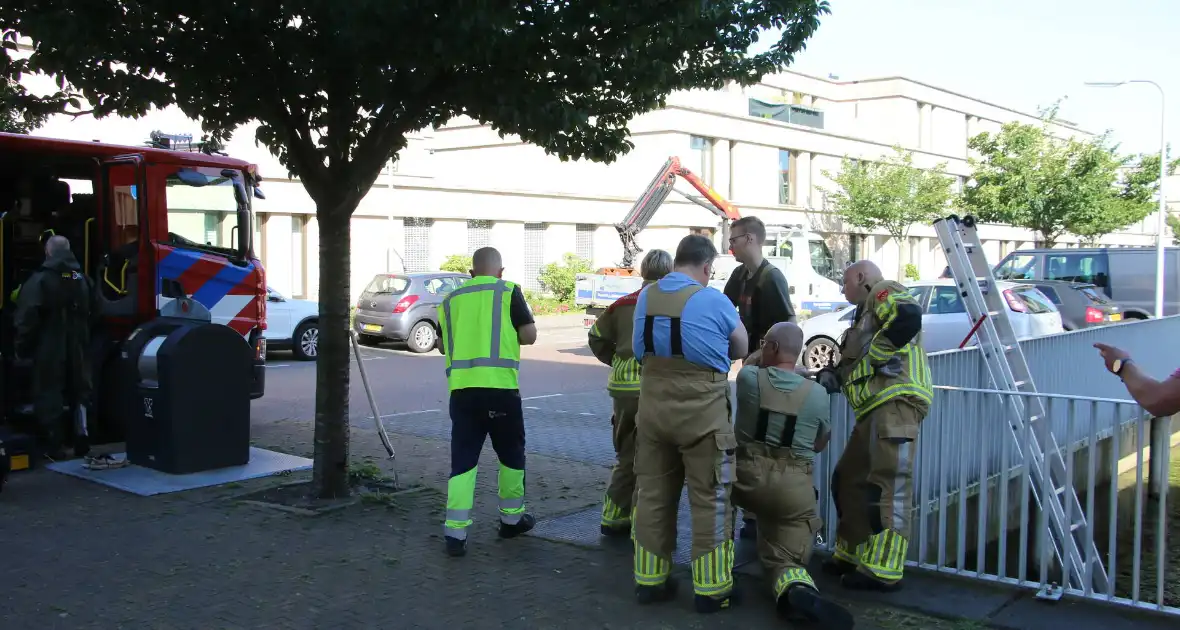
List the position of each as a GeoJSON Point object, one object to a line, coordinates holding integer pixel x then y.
{"type": "Point", "coordinates": [21, 112]}
{"type": "Point", "coordinates": [458, 263]}
{"type": "Point", "coordinates": [336, 86]}
{"type": "Point", "coordinates": [891, 195]}
{"type": "Point", "coordinates": [560, 278]}
{"type": "Point", "coordinates": [1026, 177]}
{"type": "Point", "coordinates": [1174, 224]}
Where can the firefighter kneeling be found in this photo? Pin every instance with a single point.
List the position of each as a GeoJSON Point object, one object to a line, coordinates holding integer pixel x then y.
{"type": "Point", "coordinates": [884, 374]}
{"type": "Point", "coordinates": [783, 420]}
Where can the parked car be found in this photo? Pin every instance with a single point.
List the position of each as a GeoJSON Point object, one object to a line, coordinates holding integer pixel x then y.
{"type": "Point", "coordinates": [404, 308]}
{"type": "Point", "coordinates": [1081, 305]}
{"type": "Point", "coordinates": [945, 322]}
{"type": "Point", "coordinates": [1125, 274]}
{"type": "Point", "coordinates": [292, 325]}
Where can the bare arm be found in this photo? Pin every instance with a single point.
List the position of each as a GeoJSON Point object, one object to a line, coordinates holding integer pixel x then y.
{"type": "Point", "coordinates": [739, 342]}
{"type": "Point", "coordinates": [527, 334]}
{"type": "Point", "coordinates": [1159, 398]}
{"type": "Point", "coordinates": [821, 441]}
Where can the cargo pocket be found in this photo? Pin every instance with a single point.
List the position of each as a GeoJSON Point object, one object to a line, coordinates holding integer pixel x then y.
{"type": "Point", "coordinates": [725, 472]}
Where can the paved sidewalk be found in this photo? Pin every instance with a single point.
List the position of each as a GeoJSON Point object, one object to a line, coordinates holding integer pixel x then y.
{"type": "Point", "coordinates": [78, 555]}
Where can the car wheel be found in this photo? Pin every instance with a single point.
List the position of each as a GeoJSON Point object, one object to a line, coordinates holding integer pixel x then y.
{"type": "Point", "coordinates": [422, 337]}
{"type": "Point", "coordinates": [820, 353]}
{"type": "Point", "coordinates": [306, 341]}
{"type": "Point", "coordinates": [368, 340]}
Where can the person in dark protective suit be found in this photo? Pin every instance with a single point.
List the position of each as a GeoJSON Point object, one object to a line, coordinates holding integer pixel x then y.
{"type": "Point", "coordinates": [53, 318]}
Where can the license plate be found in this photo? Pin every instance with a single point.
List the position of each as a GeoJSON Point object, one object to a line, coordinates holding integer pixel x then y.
{"type": "Point", "coordinates": [19, 462]}
{"type": "Point", "coordinates": [371, 328]}
{"type": "Point", "coordinates": [1116, 317]}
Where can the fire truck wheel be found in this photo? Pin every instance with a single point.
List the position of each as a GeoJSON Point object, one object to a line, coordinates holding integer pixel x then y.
{"type": "Point", "coordinates": [306, 341]}
{"type": "Point", "coordinates": [422, 337]}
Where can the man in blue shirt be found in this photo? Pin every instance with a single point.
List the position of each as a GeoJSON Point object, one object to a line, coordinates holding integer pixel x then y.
{"type": "Point", "coordinates": [686, 337]}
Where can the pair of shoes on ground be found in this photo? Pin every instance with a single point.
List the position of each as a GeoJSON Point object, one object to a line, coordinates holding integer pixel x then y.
{"type": "Point", "coordinates": [667, 592]}
{"type": "Point", "coordinates": [854, 580]}
{"type": "Point", "coordinates": [457, 548]}
{"type": "Point", "coordinates": [104, 462]}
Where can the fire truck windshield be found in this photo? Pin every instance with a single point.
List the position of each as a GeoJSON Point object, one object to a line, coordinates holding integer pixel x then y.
{"type": "Point", "coordinates": [208, 209]}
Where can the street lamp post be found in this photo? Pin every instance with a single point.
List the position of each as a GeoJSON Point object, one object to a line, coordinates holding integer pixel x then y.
{"type": "Point", "coordinates": [1162, 224]}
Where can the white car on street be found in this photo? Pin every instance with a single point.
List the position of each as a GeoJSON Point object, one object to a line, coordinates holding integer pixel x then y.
{"type": "Point", "coordinates": [292, 325]}
{"type": "Point", "coordinates": [945, 322]}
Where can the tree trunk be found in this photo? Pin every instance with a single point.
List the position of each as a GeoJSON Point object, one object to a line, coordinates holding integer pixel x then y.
{"type": "Point", "coordinates": [330, 469]}
{"type": "Point", "coordinates": [903, 257]}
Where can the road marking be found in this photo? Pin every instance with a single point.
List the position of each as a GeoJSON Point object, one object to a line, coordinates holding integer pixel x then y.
{"type": "Point", "coordinates": [276, 365]}
{"type": "Point", "coordinates": [544, 396]}
{"type": "Point", "coordinates": [583, 413]}
{"type": "Point", "coordinates": [406, 413]}
{"type": "Point", "coordinates": [533, 408]}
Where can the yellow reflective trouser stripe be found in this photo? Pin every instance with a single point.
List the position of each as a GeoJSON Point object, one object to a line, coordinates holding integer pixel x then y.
{"type": "Point", "coordinates": [650, 569]}
{"type": "Point", "coordinates": [712, 573]}
{"type": "Point", "coordinates": [884, 555]}
{"type": "Point", "coordinates": [845, 553]}
{"type": "Point", "coordinates": [613, 515]}
{"type": "Point", "coordinates": [790, 577]}
{"type": "Point", "coordinates": [624, 375]}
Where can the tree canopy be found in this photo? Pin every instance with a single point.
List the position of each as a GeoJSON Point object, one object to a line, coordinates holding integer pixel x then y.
{"type": "Point", "coordinates": [890, 194]}
{"type": "Point", "coordinates": [336, 86]}
{"type": "Point", "coordinates": [21, 112]}
{"type": "Point", "coordinates": [1027, 177]}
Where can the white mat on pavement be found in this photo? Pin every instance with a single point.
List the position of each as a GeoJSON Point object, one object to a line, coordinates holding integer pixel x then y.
{"type": "Point", "coordinates": [146, 482]}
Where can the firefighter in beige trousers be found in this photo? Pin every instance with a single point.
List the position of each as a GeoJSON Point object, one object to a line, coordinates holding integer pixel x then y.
{"type": "Point", "coordinates": [687, 336]}
{"type": "Point", "coordinates": [884, 374]}
{"type": "Point", "coordinates": [610, 341]}
{"type": "Point", "coordinates": [782, 421]}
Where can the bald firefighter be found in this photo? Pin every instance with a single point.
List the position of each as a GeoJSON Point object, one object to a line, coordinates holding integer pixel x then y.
{"type": "Point", "coordinates": [687, 336]}
{"type": "Point", "coordinates": [783, 420]}
{"type": "Point", "coordinates": [884, 374]}
{"type": "Point", "coordinates": [483, 324]}
{"type": "Point", "coordinates": [610, 341]}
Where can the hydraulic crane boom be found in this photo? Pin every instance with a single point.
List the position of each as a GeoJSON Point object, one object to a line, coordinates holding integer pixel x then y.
{"type": "Point", "coordinates": [652, 198]}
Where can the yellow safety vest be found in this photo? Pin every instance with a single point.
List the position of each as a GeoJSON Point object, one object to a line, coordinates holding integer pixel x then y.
{"type": "Point", "coordinates": [479, 340]}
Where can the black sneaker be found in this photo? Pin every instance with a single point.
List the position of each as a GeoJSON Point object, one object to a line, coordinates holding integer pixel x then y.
{"type": "Point", "coordinates": [525, 523]}
{"type": "Point", "coordinates": [707, 605]}
{"type": "Point", "coordinates": [804, 601]}
{"type": "Point", "coordinates": [837, 568]}
{"type": "Point", "coordinates": [857, 581]}
{"type": "Point", "coordinates": [656, 594]}
{"type": "Point", "coordinates": [456, 548]}
{"type": "Point", "coordinates": [616, 531]}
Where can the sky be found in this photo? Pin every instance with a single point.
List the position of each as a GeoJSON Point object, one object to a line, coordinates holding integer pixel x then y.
{"type": "Point", "coordinates": [1022, 55]}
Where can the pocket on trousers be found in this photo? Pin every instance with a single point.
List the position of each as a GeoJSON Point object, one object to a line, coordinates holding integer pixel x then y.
{"type": "Point", "coordinates": [726, 469]}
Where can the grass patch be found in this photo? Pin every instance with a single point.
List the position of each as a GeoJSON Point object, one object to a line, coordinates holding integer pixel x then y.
{"type": "Point", "coordinates": [1148, 584]}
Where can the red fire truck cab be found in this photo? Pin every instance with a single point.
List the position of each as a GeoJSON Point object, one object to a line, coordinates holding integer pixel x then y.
{"type": "Point", "coordinates": [147, 225]}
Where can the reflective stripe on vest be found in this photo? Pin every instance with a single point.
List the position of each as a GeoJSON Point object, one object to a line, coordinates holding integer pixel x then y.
{"type": "Point", "coordinates": [484, 363]}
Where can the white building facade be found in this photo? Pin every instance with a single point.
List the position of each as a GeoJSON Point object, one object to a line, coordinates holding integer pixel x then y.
{"type": "Point", "coordinates": [765, 148]}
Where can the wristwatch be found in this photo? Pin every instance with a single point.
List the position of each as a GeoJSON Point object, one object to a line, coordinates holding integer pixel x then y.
{"type": "Point", "coordinates": [1116, 368]}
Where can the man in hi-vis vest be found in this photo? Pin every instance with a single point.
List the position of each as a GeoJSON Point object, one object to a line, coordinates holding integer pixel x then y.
{"type": "Point", "coordinates": [686, 337]}
{"type": "Point", "coordinates": [484, 323]}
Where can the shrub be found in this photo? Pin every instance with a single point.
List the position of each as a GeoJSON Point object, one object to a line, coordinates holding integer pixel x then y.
{"type": "Point", "coordinates": [911, 272]}
{"type": "Point", "coordinates": [458, 263]}
{"type": "Point", "coordinates": [559, 278]}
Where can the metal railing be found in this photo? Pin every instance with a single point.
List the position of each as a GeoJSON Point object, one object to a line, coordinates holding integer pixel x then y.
{"type": "Point", "coordinates": [974, 513]}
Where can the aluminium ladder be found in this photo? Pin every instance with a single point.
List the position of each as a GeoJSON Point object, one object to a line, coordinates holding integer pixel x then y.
{"type": "Point", "coordinates": [1069, 533]}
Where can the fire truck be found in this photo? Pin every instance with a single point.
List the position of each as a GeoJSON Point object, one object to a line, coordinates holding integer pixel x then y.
{"type": "Point", "coordinates": [149, 225]}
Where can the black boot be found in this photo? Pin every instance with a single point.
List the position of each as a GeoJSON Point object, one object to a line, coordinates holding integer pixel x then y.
{"type": "Point", "coordinates": [655, 594]}
{"type": "Point", "coordinates": [525, 523]}
{"type": "Point", "coordinates": [857, 581]}
{"type": "Point", "coordinates": [707, 605]}
{"type": "Point", "coordinates": [806, 602]}
{"type": "Point", "coordinates": [456, 548]}
{"type": "Point", "coordinates": [616, 531]}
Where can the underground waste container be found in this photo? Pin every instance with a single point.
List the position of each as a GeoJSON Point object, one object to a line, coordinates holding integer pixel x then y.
{"type": "Point", "coordinates": [190, 398]}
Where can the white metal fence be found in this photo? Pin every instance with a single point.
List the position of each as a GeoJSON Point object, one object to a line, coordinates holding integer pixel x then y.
{"type": "Point", "coordinates": [974, 514]}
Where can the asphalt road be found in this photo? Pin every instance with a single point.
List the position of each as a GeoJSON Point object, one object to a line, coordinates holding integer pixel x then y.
{"type": "Point", "coordinates": [407, 383]}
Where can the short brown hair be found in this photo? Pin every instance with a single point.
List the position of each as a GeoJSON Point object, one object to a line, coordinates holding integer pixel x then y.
{"type": "Point", "coordinates": [752, 225]}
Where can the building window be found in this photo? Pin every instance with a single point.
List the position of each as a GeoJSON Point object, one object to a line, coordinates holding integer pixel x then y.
{"type": "Point", "coordinates": [534, 254]}
{"type": "Point", "coordinates": [479, 234]}
{"type": "Point", "coordinates": [417, 246]}
{"type": "Point", "coordinates": [703, 162]}
{"type": "Point", "coordinates": [298, 255]}
{"type": "Point", "coordinates": [584, 242]}
{"type": "Point", "coordinates": [786, 169]}
{"type": "Point", "coordinates": [804, 115]}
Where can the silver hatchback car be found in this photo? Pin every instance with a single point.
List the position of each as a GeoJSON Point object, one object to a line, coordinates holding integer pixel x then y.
{"type": "Point", "coordinates": [404, 308]}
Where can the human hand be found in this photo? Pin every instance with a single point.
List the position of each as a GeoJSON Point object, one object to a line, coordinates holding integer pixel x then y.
{"type": "Point", "coordinates": [891, 368]}
{"type": "Point", "coordinates": [755, 358]}
{"type": "Point", "coordinates": [1110, 354]}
